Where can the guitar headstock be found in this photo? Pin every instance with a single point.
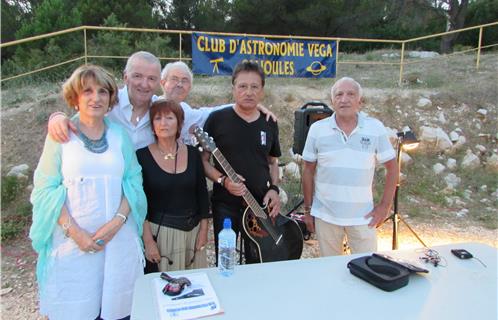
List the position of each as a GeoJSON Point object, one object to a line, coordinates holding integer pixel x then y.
{"type": "Point", "coordinates": [206, 142]}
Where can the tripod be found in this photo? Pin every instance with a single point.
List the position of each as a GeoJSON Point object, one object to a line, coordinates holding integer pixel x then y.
{"type": "Point", "coordinates": [407, 140]}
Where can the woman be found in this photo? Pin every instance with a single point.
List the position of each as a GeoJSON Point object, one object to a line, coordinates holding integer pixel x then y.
{"type": "Point", "coordinates": [175, 230]}
{"type": "Point", "coordinates": [88, 209]}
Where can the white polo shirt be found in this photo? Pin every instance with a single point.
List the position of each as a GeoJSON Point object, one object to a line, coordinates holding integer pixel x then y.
{"type": "Point", "coordinates": [345, 168]}
{"type": "Point", "coordinates": [141, 134]}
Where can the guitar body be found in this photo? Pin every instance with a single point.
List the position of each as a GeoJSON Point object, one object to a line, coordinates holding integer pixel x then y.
{"type": "Point", "coordinates": [270, 239]}
{"type": "Point", "coordinates": [263, 245]}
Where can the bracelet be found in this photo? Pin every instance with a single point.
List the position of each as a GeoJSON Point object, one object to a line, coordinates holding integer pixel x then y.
{"type": "Point", "coordinates": [57, 113]}
{"type": "Point", "coordinates": [274, 188]}
{"type": "Point", "coordinates": [122, 216]}
{"type": "Point", "coordinates": [65, 227]}
{"type": "Point", "coordinates": [307, 209]}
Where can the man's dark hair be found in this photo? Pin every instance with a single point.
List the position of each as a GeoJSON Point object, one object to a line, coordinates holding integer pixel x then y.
{"type": "Point", "coordinates": [248, 66]}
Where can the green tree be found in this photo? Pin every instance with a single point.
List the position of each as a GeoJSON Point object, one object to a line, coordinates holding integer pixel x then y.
{"type": "Point", "coordinates": [121, 43]}
{"type": "Point", "coordinates": [49, 16]}
{"type": "Point", "coordinates": [481, 12]}
{"type": "Point", "coordinates": [137, 14]}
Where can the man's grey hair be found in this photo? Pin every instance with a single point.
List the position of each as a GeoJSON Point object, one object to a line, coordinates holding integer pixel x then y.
{"type": "Point", "coordinates": [142, 55]}
{"type": "Point", "coordinates": [177, 65]}
{"type": "Point", "coordinates": [350, 80]}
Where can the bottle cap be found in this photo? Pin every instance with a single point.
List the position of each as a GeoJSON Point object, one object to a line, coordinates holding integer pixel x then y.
{"type": "Point", "coordinates": [227, 223]}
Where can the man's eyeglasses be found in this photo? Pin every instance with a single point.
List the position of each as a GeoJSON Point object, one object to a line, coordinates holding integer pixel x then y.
{"type": "Point", "coordinates": [177, 81]}
{"type": "Point", "coordinates": [245, 87]}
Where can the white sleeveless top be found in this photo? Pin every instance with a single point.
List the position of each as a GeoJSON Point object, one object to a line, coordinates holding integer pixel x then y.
{"type": "Point", "coordinates": [81, 285]}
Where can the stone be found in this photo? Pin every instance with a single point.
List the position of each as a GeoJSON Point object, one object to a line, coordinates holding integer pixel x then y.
{"type": "Point", "coordinates": [449, 200]}
{"type": "Point", "coordinates": [424, 103]}
{"type": "Point", "coordinates": [470, 160]}
{"type": "Point", "coordinates": [467, 194]}
{"type": "Point", "coordinates": [495, 194]}
{"type": "Point", "coordinates": [413, 199]}
{"type": "Point", "coordinates": [482, 112]}
{"type": "Point", "coordinates": [492, 162]}
{"type": "Point", "coordinates": [292, 170]}
{"type": "Point", "coordinates": [438, 168]}
{"type": "Point", "coordinates": [284, 198]}
{"type": "Point", "coordinates": [402, 177]}
{"type": "Point", "coordinates": [462, 213]}
{"type": "Point", "coordinates": [454, 136]}
{"type": "Point", "coordinates": [423, 54]}
{"type": "Point", "coordinates": [451, 163]}
{"type": "Point", "coordinates": [481, 148]}
{"type": "Point", "coordinates": [291, 153]}
{"type": "Point", "coordinates": [405, 159]}
{"type": "Point", "coordinates": [483, 188]}
{"type": "Point", "coordinates": [441, 118]}
{"type": "Point", "coordinates": [19, 171]}
{"type": "Point", "coordinates": [297, 158]}
{"type": "Point", "coordinates": [452, 181]}
{"type": "Point", "coordinates": [4, 291]}
{"type": "Point", "coordinates": [459, 202]}
{"type": "Point", "coordinates": [460, 143]}
{"type": "Point", "coordinates": [435, 136]}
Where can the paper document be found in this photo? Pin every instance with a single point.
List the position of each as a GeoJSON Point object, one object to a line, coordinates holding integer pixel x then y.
{"type": "Point", "coordinates": [196, 301]}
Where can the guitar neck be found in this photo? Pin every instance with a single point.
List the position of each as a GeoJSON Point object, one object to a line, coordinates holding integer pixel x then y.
{"type": "Point", "coordinates": [232, 175]}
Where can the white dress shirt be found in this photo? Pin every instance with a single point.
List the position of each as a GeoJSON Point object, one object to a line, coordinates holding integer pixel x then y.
{"type": "Point", "coordinates": [141, 134]}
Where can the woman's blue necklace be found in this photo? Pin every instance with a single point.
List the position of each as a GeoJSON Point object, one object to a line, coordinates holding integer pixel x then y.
{"type": "Point", "coordinates": [96, 146]}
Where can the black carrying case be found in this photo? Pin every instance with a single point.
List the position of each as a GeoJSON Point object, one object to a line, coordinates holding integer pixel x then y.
{"type": "Point", "coordinates": [382, 271]}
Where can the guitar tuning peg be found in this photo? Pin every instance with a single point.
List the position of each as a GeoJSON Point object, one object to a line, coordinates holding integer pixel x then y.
{"type": "Point", "coordinates": [211, 139]}
{"type": "Point", "coordinates": [200, 149]}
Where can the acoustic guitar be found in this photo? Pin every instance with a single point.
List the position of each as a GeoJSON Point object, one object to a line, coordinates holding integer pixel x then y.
{"type": "Point", "coordinates": [272, 239]}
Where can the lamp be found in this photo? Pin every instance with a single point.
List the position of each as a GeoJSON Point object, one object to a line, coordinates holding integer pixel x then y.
{"type": "Point", "coordinates": [406, 141]}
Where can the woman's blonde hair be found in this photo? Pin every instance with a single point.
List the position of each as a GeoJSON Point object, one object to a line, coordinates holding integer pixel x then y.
{"type": "Point", "coordinates": [73, 86]}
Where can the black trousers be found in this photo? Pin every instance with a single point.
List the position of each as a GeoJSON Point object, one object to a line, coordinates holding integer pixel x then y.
{"type": "Point", "coordinates": [235, 213]}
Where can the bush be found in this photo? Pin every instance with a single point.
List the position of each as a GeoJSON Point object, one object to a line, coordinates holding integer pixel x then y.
{"type": "Point", "coordinates": [11, 187]}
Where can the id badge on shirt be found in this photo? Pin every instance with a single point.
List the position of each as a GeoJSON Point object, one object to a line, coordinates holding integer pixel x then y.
{"type": "Point", "coordinates": [263, 138]}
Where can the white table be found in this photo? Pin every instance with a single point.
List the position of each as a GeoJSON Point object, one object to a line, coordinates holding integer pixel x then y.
{"type": "Point", "coordinates": [323, 288]}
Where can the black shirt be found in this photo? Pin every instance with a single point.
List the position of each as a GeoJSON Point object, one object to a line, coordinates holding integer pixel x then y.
{"type": "Point", "coordinates": [246, 146]}
{"type": "Point", "coordinates": [176, 195]}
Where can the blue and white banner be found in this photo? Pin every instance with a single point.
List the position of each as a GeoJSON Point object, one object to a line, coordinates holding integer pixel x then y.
{"type": "Point", "coordinates": [218, 55]}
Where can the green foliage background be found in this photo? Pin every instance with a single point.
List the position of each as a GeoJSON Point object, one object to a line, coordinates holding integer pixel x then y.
{"type": "Point", "coordinates": [380, 19]}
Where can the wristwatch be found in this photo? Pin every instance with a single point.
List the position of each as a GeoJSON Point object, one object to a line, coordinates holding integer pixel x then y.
{"type": "Point", "coordinates": [221, 180]}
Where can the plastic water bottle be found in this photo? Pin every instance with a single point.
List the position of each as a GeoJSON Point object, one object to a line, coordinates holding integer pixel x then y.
{"type": "Point", "coordinates": [226, 249]}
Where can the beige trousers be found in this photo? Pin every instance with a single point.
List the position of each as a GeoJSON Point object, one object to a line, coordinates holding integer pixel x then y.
{"type": "Point", "coordinates": [177, 249]}
{"type": "Point", "coordinates": [331, 238]}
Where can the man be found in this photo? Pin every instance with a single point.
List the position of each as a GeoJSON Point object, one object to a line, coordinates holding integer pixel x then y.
{"type": "Point", "coordinates": [142, 77]}
{"type": "Point", "coordinates": [339, 156]}
{"type": "Point", "coordinates": [250, 144]}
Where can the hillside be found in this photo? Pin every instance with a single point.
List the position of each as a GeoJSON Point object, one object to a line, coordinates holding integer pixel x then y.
{"type": "Point", "coordinates": [453, 89]}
